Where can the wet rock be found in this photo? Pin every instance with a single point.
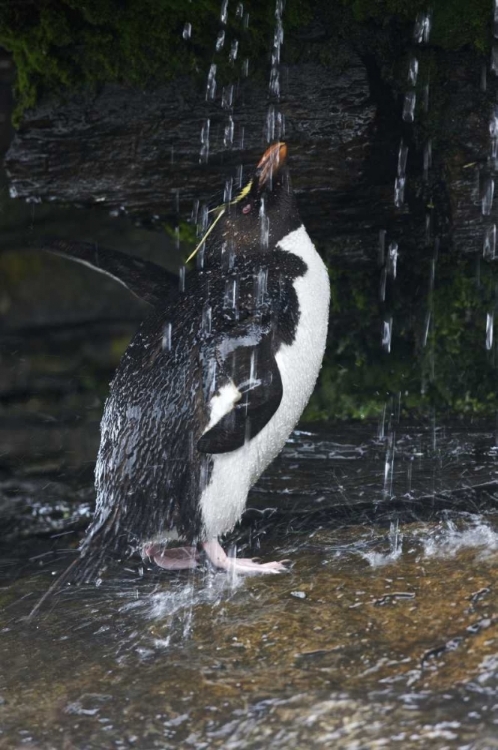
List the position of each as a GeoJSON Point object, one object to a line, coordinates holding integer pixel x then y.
{"type": "Point", "coordinates": [138, 149]}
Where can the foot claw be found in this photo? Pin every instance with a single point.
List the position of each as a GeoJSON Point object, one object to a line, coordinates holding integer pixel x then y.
{"type": "Point", "coordinates": [240, 565]}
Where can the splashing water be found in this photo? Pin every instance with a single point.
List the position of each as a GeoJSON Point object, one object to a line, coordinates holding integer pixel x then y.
{"type": "Point", "coordinates": [380, 559]}
{"type": "Point", "coordinates": [187, 31]}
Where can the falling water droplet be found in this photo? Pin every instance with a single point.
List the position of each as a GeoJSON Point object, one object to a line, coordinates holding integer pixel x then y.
{"type": "Point", "coordinates": [487, 196]}
{"type": "Point", "coordinates": [383, 284]}
{"type": "Point", "coordinates": [227, 192]}
{"type": "Point", "coordinates": [387, 328]}
{"type": "Point", "coordinates": [264, 226]}
{"type": "Point", "coordinates": [409, 106]}
{"type": "Point", "coordinates": [246, 20]}
{"type": "Point", "coordinates": [427, 326]}
{"type": "Point", "coordinates": [382, 246]}
{"type": "Point", "coordinates": [204, 220]}
{"type": "Point", "coordinates": [195, 211]}
{"type": "Point", "coordinates": [413, 71]}
{"type": "Point", "coordinates": [484, 82]}
{"type": "Point", "coordinates": [207, 314]}
{"type": "Point", "coordinates": [260, 287]}
{"type": "Point", "coordinates": [227, 97]}
{"type": "Point", "coordinates": [495, 19]}
{"type": "Point", "coordinates": [187, 31]}
{"type": "Point", "coordinates": [494, 59]}
{"type": "Point", "coordinates": [228, 133]}
{"type": "Point", "coordinates": [200, 256]}
{"type": "Point", "coordinates": [493, 132]}
{"type": "Point", "coordinates": [239, 10]}
{"type": "Point", "coordinates": [211, 83]}
{"type": "Point", "coordinates": [399, 184]}
{"type": "Point", "coordinates": [230, 300]}
{"type": "Point", "coordinates": [233, 51]}
{"type": "Point", "coordinates": [181, 275]}
{"type": "Point", "coordinates": [240, 175]}
{"type": "Point", "coordinates": [166, 342]}
{"type": "Point", "coordinates": [489, 246]}
{"type": "Point", "coordinates": [220, 40]}
{"type": "Point", "coordinates": [245, 67]}
{"type": "Point", "coordinates": [392, 259]}
{"type": "Point", "coordinates": [399, 191]}
{"type": "Point", "coordinates": [425, 97]}
{"type": "Point", "coordinates": [224, 11]}
{"type": "Point", "coordinates": [382, 422]}
{"type": "Point", "coordinates": [422, 29]}
{"type": "Point", "coordinates": [177, 238]}
{"type": "Point", "coordinates": [252, 368]}
{"type": "Point", "coordinates": [489, 330]}
{"type": "Point", "coordinates": [270, 124]}
{"type": "Point", "coordinates": [427, 158]}
{"type": "Point", "coordinates": [204, 154]}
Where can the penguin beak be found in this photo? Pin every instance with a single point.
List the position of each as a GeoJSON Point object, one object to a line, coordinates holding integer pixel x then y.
{"type": "Point", "coordinates": [270, 163]}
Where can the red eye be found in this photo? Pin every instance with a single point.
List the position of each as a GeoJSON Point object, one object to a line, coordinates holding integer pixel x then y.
{"type": "Point", "coordinates": [246, 208]}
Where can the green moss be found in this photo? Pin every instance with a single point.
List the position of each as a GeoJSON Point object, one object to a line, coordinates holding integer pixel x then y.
{"type": "Point", "coordinates": [60, 44]}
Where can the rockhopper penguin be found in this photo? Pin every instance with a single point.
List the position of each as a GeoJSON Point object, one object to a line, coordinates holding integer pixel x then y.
{"type": "Point", "coordinates": [213, 382]}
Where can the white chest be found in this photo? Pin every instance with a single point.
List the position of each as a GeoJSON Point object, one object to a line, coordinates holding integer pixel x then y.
{"type": "Point", "coordinates": [223, 500]}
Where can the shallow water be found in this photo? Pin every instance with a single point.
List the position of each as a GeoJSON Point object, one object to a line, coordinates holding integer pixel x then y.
{"type": "Point", "coordinates": [383, 632]}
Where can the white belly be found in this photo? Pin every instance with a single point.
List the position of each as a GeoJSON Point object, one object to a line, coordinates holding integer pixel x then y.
{"type": "Point", "coordinates": [223, 501]}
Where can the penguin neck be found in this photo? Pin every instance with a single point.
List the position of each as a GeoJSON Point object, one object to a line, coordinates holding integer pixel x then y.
{"type": "Point", "coordinates": [254, 236]}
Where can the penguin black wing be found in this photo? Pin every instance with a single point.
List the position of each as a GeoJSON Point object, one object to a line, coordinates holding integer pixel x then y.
{"type": "Point", "coordinates": [144, 279]}
{"type": "Point", "coordinates": [247, 390]}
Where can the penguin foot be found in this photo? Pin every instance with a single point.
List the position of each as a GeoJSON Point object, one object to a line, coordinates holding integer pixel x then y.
{"type": "Point", "coordinates": [241, 565]}
{"type": "Point", "coordinates": [175, 558]}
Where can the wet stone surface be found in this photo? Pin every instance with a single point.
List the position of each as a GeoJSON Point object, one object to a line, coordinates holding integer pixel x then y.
{"type": "Point", "coordinates": [381, 633]}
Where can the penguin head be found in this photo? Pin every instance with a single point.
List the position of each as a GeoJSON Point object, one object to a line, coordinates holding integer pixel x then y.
{"type": "Point", "coordinates": [262, 214]}
{"type": "Point", "coordinates": [265, 210]}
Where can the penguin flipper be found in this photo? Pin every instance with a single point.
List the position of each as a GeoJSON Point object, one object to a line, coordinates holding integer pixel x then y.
{"type": "Point", "coordinates": [257, 379]}
{"type": "Point", "coordinates": [146, 280]}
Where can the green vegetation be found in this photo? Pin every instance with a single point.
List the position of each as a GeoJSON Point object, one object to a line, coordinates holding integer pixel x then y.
{"type": "Point", "coordinates": [453, 371]}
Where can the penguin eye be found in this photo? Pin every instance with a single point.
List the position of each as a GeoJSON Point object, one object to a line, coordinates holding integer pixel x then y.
{"type": "Point", "coordinates": [246, 208]}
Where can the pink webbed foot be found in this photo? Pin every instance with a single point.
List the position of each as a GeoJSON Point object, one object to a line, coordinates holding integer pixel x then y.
{"type": "Point", "coordinates": [175, 558]}
{"type": "Point", "coordinates": [240, 565]}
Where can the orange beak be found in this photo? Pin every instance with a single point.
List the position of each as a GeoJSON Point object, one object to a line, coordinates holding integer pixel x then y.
{"type": "Point", "coordinates": [271, 161]}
